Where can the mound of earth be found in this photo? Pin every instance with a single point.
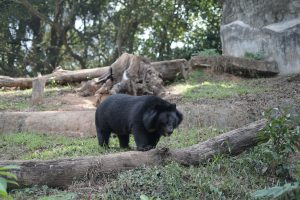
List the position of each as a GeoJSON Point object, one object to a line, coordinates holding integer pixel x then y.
{"type": "Point", "coordinates": [228, 112]}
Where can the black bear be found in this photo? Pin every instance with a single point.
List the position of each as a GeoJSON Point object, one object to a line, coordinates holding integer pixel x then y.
{"type": "Point", "coordinates": [146, 117]}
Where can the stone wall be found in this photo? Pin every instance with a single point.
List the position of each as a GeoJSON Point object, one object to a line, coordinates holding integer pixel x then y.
{"type": "Point", "coordinates": [270, 27]}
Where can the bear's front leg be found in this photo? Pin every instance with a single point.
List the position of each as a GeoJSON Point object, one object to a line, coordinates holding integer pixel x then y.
{"type": "Point", "coordinates": [124, 141]}
{"type": "Point", "coordinates": [141, 140]}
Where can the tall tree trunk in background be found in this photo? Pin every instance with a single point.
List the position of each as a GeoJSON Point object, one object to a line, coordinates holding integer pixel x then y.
{"type": "Point", "coordinates": [61, 23]}
{"type": "Point", "coordinates": [15, 46]}
{"type": "Point", "coordinates": [55, 38]}
{"type": "Point", "coordinates": [163, 42]}
{"type": "Point", "coordinates": [36, 57]}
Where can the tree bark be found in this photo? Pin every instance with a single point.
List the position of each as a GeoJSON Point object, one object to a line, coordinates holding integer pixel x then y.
{"type": "Point", "coordinates": [170, 70]}
{"type": "Point", "coordinates": [61, 173]}
{"type": "Point", "coordinates": [59, 77]}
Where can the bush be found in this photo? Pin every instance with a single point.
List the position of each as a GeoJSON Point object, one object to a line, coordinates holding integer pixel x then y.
{"type": "Point", "coordinates": [283, 138]}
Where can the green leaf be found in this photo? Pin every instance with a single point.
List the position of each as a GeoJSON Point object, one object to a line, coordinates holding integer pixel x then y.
{"type": "Point", "coordinates": [8, 175]}
{"type": "Point", "coordinates": [144, 197]}
{"type": "Point", "coordinates": [276, 191]}
{"type": "Point", "coordinates": [12, 182]}
{"type": "Point", "coordinates": [9, 167]}
{"type": "Point", "coordinates": [3, 187]}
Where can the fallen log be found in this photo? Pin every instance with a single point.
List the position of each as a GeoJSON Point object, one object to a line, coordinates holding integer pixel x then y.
{"type": "Point", "coordinates": [61, 173]}
{"type": "Point", "coordinates": [59, 77]}
{"type": "Point", "coordinates": [70, 123]}
{"type": "Point", "coordinates": [237, 66]}
{"type": "Point", "coordinates": [170, 70]}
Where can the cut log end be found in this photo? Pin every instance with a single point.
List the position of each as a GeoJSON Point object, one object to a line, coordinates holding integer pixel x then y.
{"type": "Point", "coordinates": [38, 86]}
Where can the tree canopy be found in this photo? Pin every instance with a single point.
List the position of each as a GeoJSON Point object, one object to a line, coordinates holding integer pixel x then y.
{"type": "Point", "coordinates": [37, 36]}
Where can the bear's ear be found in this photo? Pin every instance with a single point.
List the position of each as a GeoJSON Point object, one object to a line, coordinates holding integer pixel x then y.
{"type": "Point", "coordinates": [149, 119]}
{"type": "Point", "coordinates": [165, 106]}
{"type": "Point", "coordinates": [179, 116]}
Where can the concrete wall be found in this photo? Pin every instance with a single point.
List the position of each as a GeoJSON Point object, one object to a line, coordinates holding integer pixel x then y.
{"type": "Point", "coordinates": [271, 27]}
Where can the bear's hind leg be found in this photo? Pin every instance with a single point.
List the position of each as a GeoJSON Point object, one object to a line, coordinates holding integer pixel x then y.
{"type": "Point", "coordinates": [103, 136]}
{"type": "Point", "coordinates": [124, 141]}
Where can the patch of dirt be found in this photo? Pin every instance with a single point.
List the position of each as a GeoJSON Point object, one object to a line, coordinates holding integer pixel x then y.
{"type": "Point", "coordinates": [73, 101]}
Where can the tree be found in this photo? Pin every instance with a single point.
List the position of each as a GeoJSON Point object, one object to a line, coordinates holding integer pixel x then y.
{"type": "Point", "coordinates": [42, 35]}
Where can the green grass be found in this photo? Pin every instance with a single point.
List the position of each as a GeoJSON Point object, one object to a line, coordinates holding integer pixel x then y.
{"type": "Point", "coordinates": [42, 193]}
{"type": "Point", "coordinates": [183, 138]}
{"type": "Point", "coordinates": [14, 99]}
{"type": "Point", "coordinates": [40, 146]}
{"type": "Point", "coordinates": [223, 178]}
{"type": "Point", "coordinates": [194, 88]}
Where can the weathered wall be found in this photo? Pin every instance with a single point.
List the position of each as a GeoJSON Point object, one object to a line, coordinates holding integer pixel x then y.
{"type": "Point", "coordinates": [271, 27]}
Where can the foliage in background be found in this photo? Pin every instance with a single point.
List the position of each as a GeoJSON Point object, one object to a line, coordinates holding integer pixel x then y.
{"type": "Point", "coordinates": [6, 178]}
{"type": "Point", "coordinates": [208, 52]}
{"type": "Point", "coordinates": [37, 36]}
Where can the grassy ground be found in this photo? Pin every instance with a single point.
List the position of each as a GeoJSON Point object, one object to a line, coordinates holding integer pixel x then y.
{"type": "Point", "coordinates": [221, 178]}
{"type": "Point", "coordinates": [199, 85]}
{"type": "Point", "coordinates": [40, 146]}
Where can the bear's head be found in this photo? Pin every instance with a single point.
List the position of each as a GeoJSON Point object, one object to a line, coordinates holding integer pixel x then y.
{"type": "Point", "coordinates": [162, 118]}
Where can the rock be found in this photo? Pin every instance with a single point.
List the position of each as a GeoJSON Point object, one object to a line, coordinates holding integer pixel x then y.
{"type": "Point", "coordinates": [268, 27]}
{"type": "Point", "coordinates": [237, 66]}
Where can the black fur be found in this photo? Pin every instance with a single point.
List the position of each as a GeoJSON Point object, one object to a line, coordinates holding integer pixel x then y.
{"type": "Point", "coordinates": [146, 117]}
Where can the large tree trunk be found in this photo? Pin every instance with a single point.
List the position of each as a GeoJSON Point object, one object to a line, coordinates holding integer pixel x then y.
{"type": "Point", "coordinates": [170, 70]}
{"type": "Point", "coordinates": [61, 173]}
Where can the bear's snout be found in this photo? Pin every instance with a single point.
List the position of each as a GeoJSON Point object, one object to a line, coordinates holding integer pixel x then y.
{"type": "Point", "coordinates": [168, 130]}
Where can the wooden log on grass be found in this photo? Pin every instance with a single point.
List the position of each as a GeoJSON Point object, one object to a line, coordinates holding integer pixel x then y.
{"type": "Point", "coordinates": [62, 172]}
